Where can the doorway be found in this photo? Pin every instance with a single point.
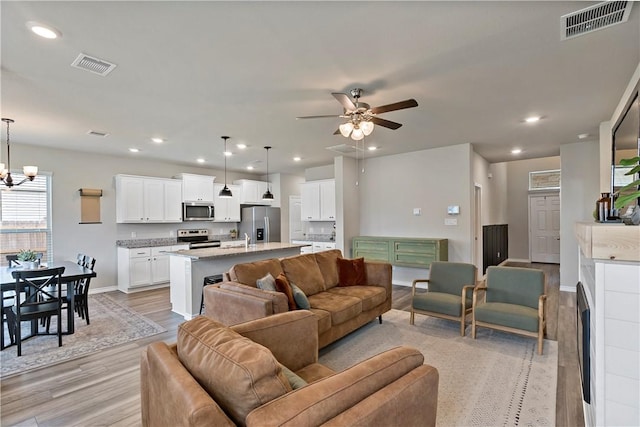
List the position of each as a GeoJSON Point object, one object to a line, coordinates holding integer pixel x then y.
{"type": "Point", "coordinates": [544, 228]}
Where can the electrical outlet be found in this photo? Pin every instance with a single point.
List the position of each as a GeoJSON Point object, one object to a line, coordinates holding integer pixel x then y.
{"type": "Point", "coordinates": [134, 234]}
{"type": "Point", "coordinates": [450, 221]}
{"type": "Point", "coordinates": [172, 233]}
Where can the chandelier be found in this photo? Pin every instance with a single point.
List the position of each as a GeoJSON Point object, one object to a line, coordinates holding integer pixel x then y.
{"type": "Point", "coordinates": [29, 172]}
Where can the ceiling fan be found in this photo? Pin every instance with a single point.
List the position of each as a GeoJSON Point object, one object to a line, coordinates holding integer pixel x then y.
{"type": "Point", "coordinates": [361, 117]}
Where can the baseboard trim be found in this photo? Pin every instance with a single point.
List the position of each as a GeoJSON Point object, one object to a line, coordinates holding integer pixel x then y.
{"type": "Point", "coordinates": [102, 290]}
{"type": "Point", "coordinates": [516, 260]}
{"type": "Point", "coordinates": [564, 288]}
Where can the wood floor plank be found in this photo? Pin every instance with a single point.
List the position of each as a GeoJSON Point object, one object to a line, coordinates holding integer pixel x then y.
{"type": "Point", "coordinates": [103, 388]}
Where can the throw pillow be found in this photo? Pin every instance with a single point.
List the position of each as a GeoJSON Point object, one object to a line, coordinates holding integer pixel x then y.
{"type": "Point", "coordinates": [266, 283]}
{"type": "Point", "coordinates": [351, 272]}
{"type": "Point", "coordinates": [294, 379]}
{"type": "Point", "coordinates": [300, 298]}
{"type": "Point", "coordinates": [282, 285]}
{"type": "Point", "coordinates": [238, 373]}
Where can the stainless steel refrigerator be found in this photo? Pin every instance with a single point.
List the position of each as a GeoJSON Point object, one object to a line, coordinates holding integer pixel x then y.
{"type": "Point", "coordinates": [261, 223]}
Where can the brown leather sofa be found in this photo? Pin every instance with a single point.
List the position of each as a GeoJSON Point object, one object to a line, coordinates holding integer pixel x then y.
{"type": "Point", "coordinates": [339, 309]}
{"type": "Point", "coordinates": [225, 376]}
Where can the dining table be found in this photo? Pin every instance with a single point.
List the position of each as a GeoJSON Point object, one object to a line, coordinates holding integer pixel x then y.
{"type": "Point", "coordinates": [72, 273]}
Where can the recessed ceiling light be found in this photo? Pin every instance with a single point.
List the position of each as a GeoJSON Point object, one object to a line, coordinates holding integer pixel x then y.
{"type": "Point", "coordinates": [241, 146]}
{"type": "Point", "coordinates": [297, 159]}
{"type": "Point", "coordinates": [134, 150]}
{"type": "Point", "coordinates": [228, 153]}
{"type": "Point", "coordinates": [250, 168]}
{"type": "Point", "coordinates": [157, 140]}
{"type": "Point", "coordinates": [516, 151]}
{"type": "Point", "coordinates": [532, 119]}
{"type": "Point", "coordinates": [372, 148]}
{"type": "Point", "coordinates": [43, 30]}
{"type": "Point", "coordinates": [200, 160]}
{"type": "Point", "coordinates": [583, 135]}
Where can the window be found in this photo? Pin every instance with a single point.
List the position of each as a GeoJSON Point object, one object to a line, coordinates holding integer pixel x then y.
{"type": "Point", "coordinates": [25, 217]}
{"type": "Point", "coordinates": [544, 180]}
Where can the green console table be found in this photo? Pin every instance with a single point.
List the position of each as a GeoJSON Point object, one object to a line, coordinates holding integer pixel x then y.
{"type": "Point", "coordinates": [401, 251]}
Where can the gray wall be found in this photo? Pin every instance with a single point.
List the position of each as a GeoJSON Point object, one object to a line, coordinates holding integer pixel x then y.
{"type": "Point", "coordinates": [430, 180]}
{"type": "Point", "coordinates": [579, 190]}
{"type": "Point", "coordinates": [518, 201]}
{"type": "Point", "coordinates": [289, 185]}
{"type": "Point", "coordinates": [73, 170]}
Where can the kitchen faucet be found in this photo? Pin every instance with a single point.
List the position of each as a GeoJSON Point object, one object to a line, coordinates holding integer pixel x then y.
{"type": "Point", "coordinates": [246, 240]}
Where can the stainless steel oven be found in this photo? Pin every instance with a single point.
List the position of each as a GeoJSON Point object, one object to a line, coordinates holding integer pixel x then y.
{"type": "Point", "coordinates": [197, 211]}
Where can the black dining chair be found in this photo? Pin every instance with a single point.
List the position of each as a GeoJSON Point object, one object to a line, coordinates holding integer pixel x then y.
{"type": "Point", "coordinates": [81, 289]}
{"type": "Point", "coordinates": [42, 300]}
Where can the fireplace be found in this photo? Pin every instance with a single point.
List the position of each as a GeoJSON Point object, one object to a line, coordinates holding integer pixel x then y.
{"type": "Point", "coordinates": [583, 339]}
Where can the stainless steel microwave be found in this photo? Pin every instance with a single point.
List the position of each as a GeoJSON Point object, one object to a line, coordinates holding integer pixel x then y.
{"type": "Point", "coordinates": [197, 211]}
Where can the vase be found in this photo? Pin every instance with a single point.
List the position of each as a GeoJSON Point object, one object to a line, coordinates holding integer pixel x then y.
{"type": "Point", "coordinates": [29, 265]}
{"type": "Point", "coordinates": [603, 205]}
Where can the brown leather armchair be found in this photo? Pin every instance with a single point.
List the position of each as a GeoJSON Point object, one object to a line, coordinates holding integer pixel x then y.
{"type": "Point", "coordinates": [392, 388]}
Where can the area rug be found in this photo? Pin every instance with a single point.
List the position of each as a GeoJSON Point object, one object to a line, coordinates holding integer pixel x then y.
{"type": "Point", "coordinates": [496, 379]}
{"type": "Point", "coordinates": [112, 324]}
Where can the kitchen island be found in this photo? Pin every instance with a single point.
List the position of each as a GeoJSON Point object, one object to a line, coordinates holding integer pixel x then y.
{"type": "Point", "coordinates": [188, 268]}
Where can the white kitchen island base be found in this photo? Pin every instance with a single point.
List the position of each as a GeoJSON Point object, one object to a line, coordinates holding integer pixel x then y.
{"type": "Point", "coordinates": [189, 268]}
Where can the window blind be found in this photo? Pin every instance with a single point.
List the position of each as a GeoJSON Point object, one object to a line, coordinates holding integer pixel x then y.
{"type": "Point", "coordinates": [25, 217]}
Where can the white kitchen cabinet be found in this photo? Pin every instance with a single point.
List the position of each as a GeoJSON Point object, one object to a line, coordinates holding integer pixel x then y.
{"type": "Point", "coordinates": [197, 188]}
{"type": "Point", "coordinates": [252, 191]}
{"type": "Point", "coordinates": [328, 200]}
{"type": "Point", "coordinates": [141, 199]}
{"type": "Point", "coordinates": [319, 200]}
{"type": "Point", "coordinates": [144, 267]}
{"type": "Point", "coordinates": [312, 247]}
{"type": "Point", "coordinates": [227, 209]}
{"type": "Point", "coordinates": [173, 200]}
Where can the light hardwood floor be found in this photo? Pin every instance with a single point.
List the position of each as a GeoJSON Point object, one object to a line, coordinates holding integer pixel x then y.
{"type": "Point", "coordinates": [103, 389]}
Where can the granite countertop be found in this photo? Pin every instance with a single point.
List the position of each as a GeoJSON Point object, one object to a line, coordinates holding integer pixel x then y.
{"type": "Point", "coordinates": [234, 250]}
{"type": "Point", "coordinates": [146, 243]}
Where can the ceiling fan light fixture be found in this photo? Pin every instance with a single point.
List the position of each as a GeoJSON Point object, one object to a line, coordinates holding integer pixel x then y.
{"type": "Point", "coordinates": [346, 129]}
{"type": "Point", "coordinates": [357, 134]}
{"type": "Point", "coordinates": [367, 127]}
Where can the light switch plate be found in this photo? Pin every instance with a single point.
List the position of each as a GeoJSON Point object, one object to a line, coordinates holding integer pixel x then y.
{"type": "Point", "coordinates": [417, 211]}
{"type": "Point", "coordinates": [453, 210]}
{"type": "Point", "coordinates": [451, 221]}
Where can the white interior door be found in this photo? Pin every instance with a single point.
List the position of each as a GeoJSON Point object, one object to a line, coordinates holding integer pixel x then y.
{"type": "Point", "coordinates": [544, 228]}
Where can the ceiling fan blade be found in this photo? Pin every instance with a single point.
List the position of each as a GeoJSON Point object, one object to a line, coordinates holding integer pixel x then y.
{"type": "Point", "coordinates": [319, 117]}
{"type": "Point", "coordinates": [346, 102]}
{"type": "Point", "coordinates": [337, 132]}
{"type": "Point", "coordinates": [385, 123]}
{"type": "Point", "coordinates": [408, 103]}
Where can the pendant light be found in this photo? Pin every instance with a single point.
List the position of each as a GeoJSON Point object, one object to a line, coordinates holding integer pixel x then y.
{"type": "Point", "coordinates": [29, 172]}
{"type": "Point", "coordinates": [225, 193]}
{"type": "Point", "coordinates": [267, 194]}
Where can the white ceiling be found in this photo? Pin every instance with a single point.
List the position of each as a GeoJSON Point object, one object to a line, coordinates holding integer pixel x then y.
{"type": "Point", "coordinates": [193, 71]}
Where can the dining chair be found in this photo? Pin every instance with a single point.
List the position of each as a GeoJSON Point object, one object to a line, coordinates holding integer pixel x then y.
{"type": "Point", "coordinates": [80, 259]}
{"type": "Point", "coordinates": [42, 299]}
{"type": "Point", "coordinates": [513, 301]}
{"type": "Point", "coordinates": [449, 293]}
{"type": "Point", "coordinates": [81, 290]}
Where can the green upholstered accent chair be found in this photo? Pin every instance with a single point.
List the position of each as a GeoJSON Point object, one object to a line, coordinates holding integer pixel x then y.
{"type": "Point", "coordinates": [449, 293]}
{"type": "Point", "coordinates": [513, 302]}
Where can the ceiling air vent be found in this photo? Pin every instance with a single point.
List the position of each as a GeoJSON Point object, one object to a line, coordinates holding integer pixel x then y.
{"type": "Point", "coordinates": [95, 65]}
{"type": "Point", "coordinates": [596, 17]}
{"type": "Point", "coordinates": [346, 149]}
{"type": "Point", "coordinates": [97, 133]}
